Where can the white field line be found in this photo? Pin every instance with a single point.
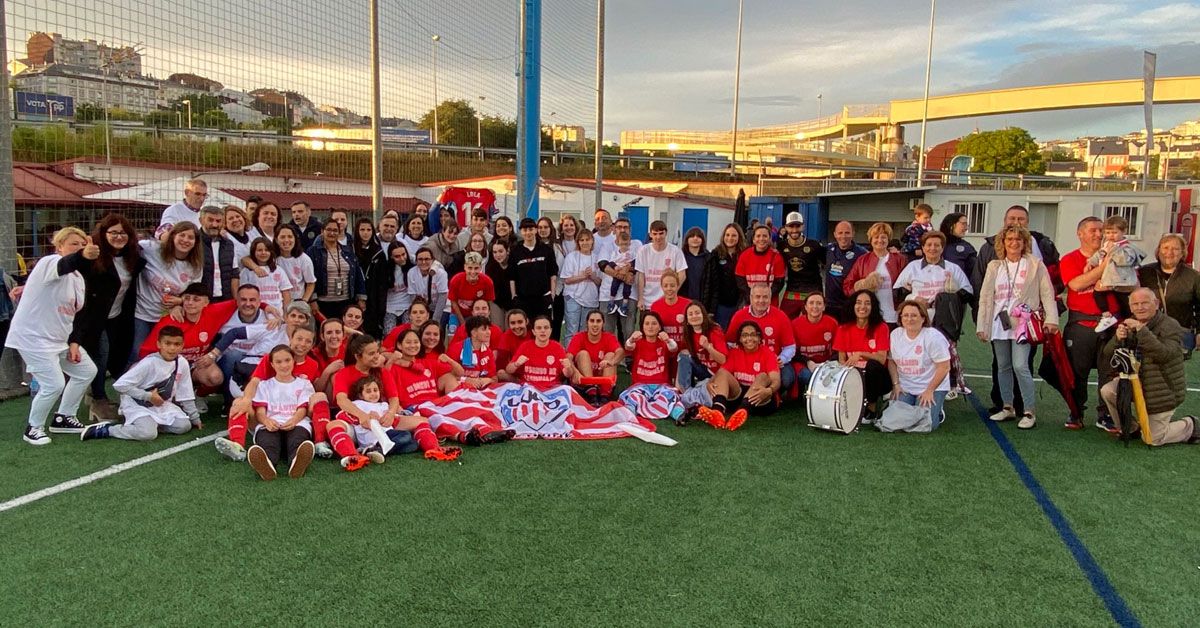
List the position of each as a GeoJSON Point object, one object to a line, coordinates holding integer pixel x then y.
{"type": "Point", "coordinates": [1038, 379]}
{"type": "Point", "coordinates": [110, 471]}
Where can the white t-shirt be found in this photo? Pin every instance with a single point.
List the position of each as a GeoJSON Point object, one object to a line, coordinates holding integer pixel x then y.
{"type": "Point", "coordinates": [46, 311]}
{"type": "Point", "coordinates": [399, 299]}
{"type": "Point", "coordinates": [177, 213]}
{"type": "Point", "coordinates": [585, 292]}
{"type": "Point", "coordinates": [240, 250]}
{"type": "Point", "coordinates": [612, 254]}
{"type": "Point", "coordinates": [915, 358]}
{"type": "Point", "coordinates": [159, 279]}
{"type": "Point", "coordinates": [412, 246]}
{"type": "Point", "coordinates": [254, 233]}
{"type": "Point", "coordinates": [603, 241]}
{"type": "Point", "coordinates": [652, 263]}
{"type": "Point", "coordinates": [887, 304]}
{"type": "Point", "coordinates": [299, 271]}
{"type": "Point", "coordinates": [927, 281]}
{"type": "Point", "coordinates": [126, 279]}
{"type": "Point", "coordinates": [271, 287]}
{"type": "Point", "coordinates": [235, 322]}
{"type": "Point", "coordinates": [363, 435]}
{"type": "Point", "coordinates": [435, 292]}
{"type": "Point", "coordinates": [1010, 282]}
{"type": "Point", "coordinates": [282, 400]}
{"type": "Point", "coordinates": [264, 340]}
{"type": "Point", "coordinates": [215, 245]}
{"type": "Point", "coordinates": [148, 372]}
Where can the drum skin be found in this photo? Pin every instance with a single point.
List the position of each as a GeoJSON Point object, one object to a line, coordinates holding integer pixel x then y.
{"type": "Point", "coordinates": [835, 398]}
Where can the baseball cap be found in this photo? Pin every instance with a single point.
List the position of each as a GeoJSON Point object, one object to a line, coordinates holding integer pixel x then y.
{"type": "Point", "coordinates": [794, 217]}
{"type": "Point", "coordinates": [528, 223]}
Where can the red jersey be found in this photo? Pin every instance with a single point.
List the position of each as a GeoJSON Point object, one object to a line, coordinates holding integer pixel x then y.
{"type": "Point", "coordinates": [814, 341]}
{"type": "Point", "coordinates": [460, 334]}
{"type": "Point", "coordinates": [761, 267]}
{"type": "Point", "coordinates": [389, 341]}
{"type": "Point", "coordinates": [1071, 266]}
{"type": "Point", "coordinates": [716, 341]}
{"type": "Point", "coordinates": [673, 316]}
{"type": "Point", "coordinates": [483, 362]}
{"type": "Point", "coordinates": [198, 336]}
{"type": "Point", "coordinates": [308, 369]}
{"type": "Point", "coordinates": [345, 378]}
{"type": "Point", "coordinates": [849, 338]}
{"type": "Point", "coordinates": [746, 366]}
{"type": "Point", "coordinates": [464, 293]}
{"type": "Point", "coordinates": [650, 362]}
{"type": "Point", "coordinates": [544, 367]}
{"type": "Point", "coordinates": [776, 328]}
{"type": "Point", "coordinates": [417, 383]}
{"type": "Point", "coordinates": [606, 346]}
{"type": "Point", "coordinates": [507, 345]}
{"type": "Point", "coordinates": [323, 361]}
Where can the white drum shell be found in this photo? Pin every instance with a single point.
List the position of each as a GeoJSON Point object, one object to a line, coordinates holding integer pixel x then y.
{"type": "Point", "coordinates": [835, 398]}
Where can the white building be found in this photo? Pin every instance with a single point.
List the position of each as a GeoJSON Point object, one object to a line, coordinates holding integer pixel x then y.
{"type": "Point", "coordinates": [89, 85]}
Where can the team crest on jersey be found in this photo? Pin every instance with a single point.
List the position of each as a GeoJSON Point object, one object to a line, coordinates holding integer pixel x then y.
{"type": "Point", "coordinates": [757, 366]}
{"type": "Point", "coordinates": [549, 359]}
{"type": "Point", "coordinates": [960, 248]}
{"type": "Point", "coordinates": [917, 349]}
{"type": "Point", "coordinates": [658, 351]}
{"type": "Point", "coordinates": [807, 250]}
{"type": "Point", "coordinates": [850, 255]}
{"type": "Point", "coordinates": [479, 294]}
{"type": "Point", "coordinates": [871, 343]}
{"type": "Point", "coordinates": [828, 336]}
{"type": "Point", "coordinates": [769, 331]}
{"type": "Point", "coordinates": [203, 336]}
{"type": "Point", "coordinates": [679, 318]}
{"type": "Point", "coordinates": [184, 277]}
{"type": "Point", "coordinates": [428, 373]}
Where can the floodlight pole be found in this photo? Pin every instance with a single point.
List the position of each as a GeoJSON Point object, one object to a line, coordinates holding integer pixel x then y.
{"type": "Point", "coordinates": [599, 104]}
{"type": "Point", "coordinates": [737, 85]}
{"type": "Point", "coordinates": [925, 111]}
{"type": "Point", "coordinates": [376, 113]}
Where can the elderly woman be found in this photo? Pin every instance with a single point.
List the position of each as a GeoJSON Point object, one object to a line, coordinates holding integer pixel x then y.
{"type": "Point", "coordinates": [1176, 285]}
{"type": "Point", "coordinates": [919, 363]}
{"type": "Point", "coordinates": [877, 271]}
{"type": "Point", "coordinates": [944, 289]}
{"type": "Point", "coordinates": [1016, 279]}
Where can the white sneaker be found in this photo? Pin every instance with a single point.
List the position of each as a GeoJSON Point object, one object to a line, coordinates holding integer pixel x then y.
{"type": "Point", "coordinates": [951, 394]}
{"type": "Point", "coordinates": [230, 449]}
{"type": "Point", "coordinates": [324, 451]}
{"type": "Point", "coordinates": [201, 406]}
{"type": "Point", "coordinates": [1106, 321]}
{"type": "Point", "coordinates": [1005, 414]}
{"type": "Point", "coordinates": [1027, 421]}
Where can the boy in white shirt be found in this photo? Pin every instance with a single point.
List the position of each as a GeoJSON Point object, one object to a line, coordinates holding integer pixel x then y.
{"type": "Point", "coordinates": [156, 395]}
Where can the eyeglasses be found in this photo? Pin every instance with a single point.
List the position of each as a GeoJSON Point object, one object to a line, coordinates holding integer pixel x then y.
{"type": "Point", "coordinates": [117, 234]}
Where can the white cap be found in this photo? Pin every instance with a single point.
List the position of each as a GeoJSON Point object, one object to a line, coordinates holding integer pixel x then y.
{"type": "Point", "coordinates": [794, 217]}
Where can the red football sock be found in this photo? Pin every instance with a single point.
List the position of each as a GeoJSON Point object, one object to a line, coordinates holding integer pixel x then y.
{"type": "Point", "coordinates": [425, 437]}
{"type": "Point", "coordinates": [237, 428]}
{"type": "Point", "coordinates": [320, 420]}
{"type": "Point", "coordinates": [340, 441]}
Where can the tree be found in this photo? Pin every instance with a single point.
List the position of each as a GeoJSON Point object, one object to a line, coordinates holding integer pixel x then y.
{"type": "Point", "coordinates": [201, 103]}
{"type": "Point", "coordinates": [1058, 153]}
{"type": "Point", "coordinates": [456, 123]}
{"type": "Point", "coordinates": [1189, 169]}
{"type": "Point", "coordinates": [279, 124]}
{"type": "Point", "coordinates": [499, 132]}
{"type": "Point", "coordinates": [162, 119]}
{"type": "Point", "coordinates": [1009, 151]}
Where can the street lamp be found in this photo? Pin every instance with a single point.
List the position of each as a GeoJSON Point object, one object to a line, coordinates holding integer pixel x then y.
{"type": "Point", "coordinates": [257, 166]}
{"type": "Point", "coordinates": [188, 102]}
{"type": "Point", "coordinates": [436, 39]}
{"type": "Point", "coordinates": [479, 125]}
{"type": "Point", "coordinates": [819, 104]}
{"type": "Point", "coordinates": [925, 106]}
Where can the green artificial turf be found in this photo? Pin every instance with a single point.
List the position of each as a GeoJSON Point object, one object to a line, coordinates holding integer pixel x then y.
{"type": "Point", "coordinates": [776, 524]}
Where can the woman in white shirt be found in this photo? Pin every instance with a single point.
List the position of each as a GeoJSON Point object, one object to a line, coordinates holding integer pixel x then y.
{"type": "Point", "coordinates": [171, 265]}
{"type": "Point", "coordinates": [41, 328]}
{"type": "Point", "coordinates": [265, 221]}
{"type": "Point", "coordinates": [581, 281]}
{"type": "Point", "coordinates": [919, 361]}
{"type": "Point", "coordinates": [414, 235]}
{"type": "Point", "coordinates": [295, 262]}
{"type": "Point", "coordinates": [1017, 278]}
{"type": "Point", "coordinates": [235, 232]}
{"type": "Point", "coordinates": [428, 280]}
{"type": "Point", "coordinates": [399, 299]}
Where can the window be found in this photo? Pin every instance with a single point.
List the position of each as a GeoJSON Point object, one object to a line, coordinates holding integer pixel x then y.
{"type": "Point", "coordinates": [1131, 213]}
{"type": "Point", "coordinates": [976, 213]}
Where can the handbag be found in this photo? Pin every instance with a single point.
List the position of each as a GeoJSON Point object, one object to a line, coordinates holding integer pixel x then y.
{"type": "Point", "coordinates": [1031, 325]}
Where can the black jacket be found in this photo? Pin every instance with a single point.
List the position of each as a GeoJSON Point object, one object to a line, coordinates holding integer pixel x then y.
{"type": "Point", "coordinates": [230, 267]}
{"type": "Point", "coordinates": [987, 253]}
{"type": "Point", "coordinates": [720, 285]}
{"type": "Point", "coordinates": [100, 291]}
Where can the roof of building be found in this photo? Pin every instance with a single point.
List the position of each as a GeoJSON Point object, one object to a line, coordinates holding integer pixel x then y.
{"type": "Point", "coordinates": [1108, 146]}
{"type": "Point", "coordinates": [323, 202]}
{"type": "Point", "coordinates": [586, 185]}
{"type": "Point", "coordinates": [35, 184]}
{"type": "Point", "coordinates": [1066, 166]}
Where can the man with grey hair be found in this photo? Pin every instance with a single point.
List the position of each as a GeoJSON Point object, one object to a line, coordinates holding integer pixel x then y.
{"type": "Point", "coordinates": [220, 264]}
{"type": "Point", "coordinates": [1158, 338]}
{"type": "Point", "coordinates": [195, 191]}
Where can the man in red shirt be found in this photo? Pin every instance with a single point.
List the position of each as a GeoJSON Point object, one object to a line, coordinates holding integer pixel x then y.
{"type": "Point", "coordinates": [776, 329]}
{"type": "Point", "coordinates": [1079, 334]}
{"type": "Point", "coordinates": [470, 285]}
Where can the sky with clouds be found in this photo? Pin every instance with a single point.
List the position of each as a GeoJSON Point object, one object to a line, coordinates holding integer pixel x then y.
{"type": "Point", "coordinates": [669, 63]}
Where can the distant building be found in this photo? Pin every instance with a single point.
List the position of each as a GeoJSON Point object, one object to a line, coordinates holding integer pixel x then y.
{"type": "Point", "coordinates": [566, 137]}
{"type": "Point", "coordinates": [1107, 157]}
{"type": "Point", "coordinates": [938, 157]}
{"type": "Point", "coordinates": [1066, 169]}
{"type": "Point", "coordinates": [90, 85]}
{"type": "Point", "coordinates": [53, 48]}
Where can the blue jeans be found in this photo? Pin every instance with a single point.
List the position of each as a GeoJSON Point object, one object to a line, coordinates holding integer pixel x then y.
{"type": "Point", "coordinates": [805, 377]}
{"type": "Point", "coordinates": [101, 362]}
{"type": "Point", "coordinates": [574, 318]}
{"type": "Point", "coordinates": [787, 379]}
{"type": "Point", "coordinates": [690, 371]}
{"type": "Point", "coordinates": [141, 331]}
{"type": "Point", "coordinates": [1013, 358]}
{"type": "Point", "coordinates": [226, 363]}
{"type": "Point", "coordinates": [724, 315]}
{"type": "Point", "coordinates": [935, 412]}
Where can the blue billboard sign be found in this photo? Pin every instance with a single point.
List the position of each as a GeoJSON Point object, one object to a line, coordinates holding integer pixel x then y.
{"type": "Point", "coordinates": [49, 105]}
{"type": "Point", "coordinates": [405, 136]}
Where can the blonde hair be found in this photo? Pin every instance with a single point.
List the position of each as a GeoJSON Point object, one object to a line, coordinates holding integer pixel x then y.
{"type": "Point", "coordinates": [1026, 239]}
{"type": "Point", "coordinates": [921, 309]}
{"type": "Point", "coordinates": [1170, 236]}
{"type": "Point", "coordinates": [60, 236]}
{"type": "Point", "coordinates": [878, 228]}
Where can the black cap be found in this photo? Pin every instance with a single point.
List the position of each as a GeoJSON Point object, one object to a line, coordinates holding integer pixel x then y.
{"type": "Point", "coordinates": [528, 222]}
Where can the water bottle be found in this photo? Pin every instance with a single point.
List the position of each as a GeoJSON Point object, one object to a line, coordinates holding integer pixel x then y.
{"type": "Point", "coordinates": [33, 385]}
{"type": "Point", "coordinates": [467, 358]}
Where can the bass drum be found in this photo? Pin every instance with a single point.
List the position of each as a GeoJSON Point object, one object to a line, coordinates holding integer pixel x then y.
{"type": "Point", "coordinates": [835, 398]}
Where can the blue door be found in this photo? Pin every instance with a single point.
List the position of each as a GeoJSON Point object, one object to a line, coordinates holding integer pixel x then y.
{"type": "Point", "coordinates": [639, 221]}
{"type": "Point", "coordinates": [694, 217]}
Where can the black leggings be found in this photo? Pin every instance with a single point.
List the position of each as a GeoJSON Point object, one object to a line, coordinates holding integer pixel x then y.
{"type": "Point", "coordinates": [877, 382]}
{"type": "Point", "coordinates": [279, 441]}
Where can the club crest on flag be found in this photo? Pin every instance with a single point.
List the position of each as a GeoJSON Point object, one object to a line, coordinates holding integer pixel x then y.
{"type": "Point", "coordinates": [527, 409]}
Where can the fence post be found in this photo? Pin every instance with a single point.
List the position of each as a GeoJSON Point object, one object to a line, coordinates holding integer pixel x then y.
{"type": "Point", "coordinates": [11, 370]}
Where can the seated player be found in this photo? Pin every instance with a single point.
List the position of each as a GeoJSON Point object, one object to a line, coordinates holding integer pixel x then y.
{"type": "Point", "coordinates": [512, 339]}
{"type": "Point", "coordinates": [281, 411]}
{"type": "Point", "coordinates": [750, 375]}
{"type": "Point", "coordinates": [863, 343]}
{"type": "Point", "coordinates": [418, 315]}
{"type": "Point", "coordinates": [422, 377]}
{"type": "Point", "coordinates": [595, 353]}
{"type": "Point", "coordinates": [542, 362]}
{"type": "Point", "coordinates": [367, 395]}
{"type": "Point", "coordinates": [650, 394]}
{"type": "Point", "coordinates": [264, 338]}
{"type": "Point", "coordinates": [156, 395]}
{"type": "Point", "coordinates": [478, 308]}
{"type": "Point", "coordinates": [775, 326]}
{"type": "Point", "coordinates": [328, 352]}
{"type": "Point", "coordinates": [703, 348]}
{"type": "Point", "coordinates": [475, 353]}
{"type": "Point", "coordinates": [432, 340]}
{"type": "Point", "coordinates": [814, 331]}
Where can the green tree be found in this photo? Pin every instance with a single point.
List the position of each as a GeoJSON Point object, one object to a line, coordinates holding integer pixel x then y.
{"type": "Point", "coordinates": [1058, 154]}
{"type": "Point", "coordinates": [499, 132]}
{"type": "Point", "coordinates": [87, 112]}
{"type": "Point", "coordinates": [456, 123]}
{"type": "Point", "coordinates": [162, 119]}
{"type": "Point", "coordinates": [1009, 151]}
{"type": "Point", "coordinates": [279, 124]}
{"type": "Point", "coordinates": [1189, 169]}
{"type": "Point", "coordinates": [216, 119]}
{"type": "Point", "coordinates": [201, 104]}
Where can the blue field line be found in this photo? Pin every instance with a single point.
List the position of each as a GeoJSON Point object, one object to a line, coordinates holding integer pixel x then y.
{"type": "Point", "coordinates": [1117, 607]}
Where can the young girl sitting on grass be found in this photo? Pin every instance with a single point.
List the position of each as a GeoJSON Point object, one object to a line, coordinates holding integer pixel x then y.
{"type": "Point", "coordinates": [651, 395]}
{"type": "Point", "coordinates": [367, 395]}
{"type": "Point", "coordinates": [281, 409]}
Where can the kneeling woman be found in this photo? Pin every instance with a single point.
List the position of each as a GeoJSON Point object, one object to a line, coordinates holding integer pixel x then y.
{"type": "Point", "coordinates": [651, 396]}
{"type": "Point", "coordinates": [919, 364]}
{"type": "Point", "coordinates": [750, 375]}
{"type": "Point", "coordinates": [595, 353]}
{"type": "Point", "coordinates": [863, 343]}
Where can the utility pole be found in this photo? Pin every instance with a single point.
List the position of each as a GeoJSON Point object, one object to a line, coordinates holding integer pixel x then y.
{"type": "Point", "coordinates": [737, 85]}
{"type": "Point", "coordinates": [376, 115]}
{"type": "Point", "coordinates": [529, 130]}
{"type": "Point", "coordinates": [925, 111]}
{"type": "Point", "coordinates": [599, 104]}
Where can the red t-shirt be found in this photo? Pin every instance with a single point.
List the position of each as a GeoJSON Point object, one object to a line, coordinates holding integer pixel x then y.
{"type": "Point", "coordinates": [650, 362]}
{"type": "Point", "coordinates": [761, 267]}
{"type": "Point", "coordinates": [776, 328]}
{"type": "Point", "coordinates": [746, 366]}
{"type": "Point", "coordinates": [850, 338]}
{"type": "Point", "coordinates": [389, 341]}
{"type": "Point", "coordinates": [323, 361]}
{"type": "Point", "coordinates": [484, 362]}
{"type": "Point", "coordinates": [814, 341]}
{"type": "Point", "coordinates": [460, 334]}
{"type": "Point", "coordinates": [1071, 266]}
{"type": "Point", "coordinates": [198, 336]}
{"type": "Point", "coordinates": [417, 383]}
{"type": "Point", "coordinates": [345, 378]}
{"type": "Point", "coordinates": [607, 345]}
{"type": "Point", "coordinates": [544, 367]}
{"type": "Point", "coordinates": [308, 369]}
{"type": "Point", "coordinates": [672, 316]}
{"type": "Point", "coordinates": [716, 338]}
{"type": "Point", "coordinates": [465, 293]}
{"type": "Point", "coordinates": [507, 345]}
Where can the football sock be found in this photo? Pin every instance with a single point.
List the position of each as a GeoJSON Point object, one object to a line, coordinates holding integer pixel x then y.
{"type": "Point", "coordinates": [237, 428]}
{"type": "Point", "coordinates": [320, 420]}
{"type": "Point", "coordinates": [425, 437]}
{"type": "Point", "coordinates": [341, 442]}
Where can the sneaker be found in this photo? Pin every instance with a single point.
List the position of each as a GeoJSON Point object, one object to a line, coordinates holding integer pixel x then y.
{"type": "Point", "coordinates": [612, 307]}
{"type": "Point", "coordinates": [1195, 437]}
{"type": "Point", "coordinates": [300, 461]}
{"type": "Point", "coordinates": [63, 424]}
{"type": "Point", "coordinates": [1106, 321]}
{"type": "Point", "coordinates": [737, 419]}
{"type": "Point", "coordinates": [201, 406]}
{"type": "Point", "coordinates": [1005, 414]}
{"type": "Point", "coordinates": [94, 431]}
{"type": "Point", "coordinates": [443, 454]}
{"type": "Point", "coordinates": [688, 416]}
{"type": "Point", "coordinates": [951, 394]}
{"type": "Point", "coordinates": [234, 451]}
{"type": "Point", "coordinates": [36, 435]}
{"type": "Point", "coordinates": [257, 457]}
{"type": "Point", "coordinates": [324, 451]}
{"type": "Point", "coordinates": [1073, 424]}
{"type": "Point", "coordinates": [622, 309]}
{"type": "Point", "coordinates": [473, 438]}
{"type": "Point", "coordinates": [713, 417]}
{"type": "Point", "coordinates": [496, 437]}
{"type": "Point", "coordinates": [102, 410]}
{"type": "Point", "coordinates": [1027, 421]}
{"type": "Point", "coordinates": [374, 453]}
{"type": "Point", "coordinates": [1108, 425]}
{"type": "Point", "coordinates": [355, 462]}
